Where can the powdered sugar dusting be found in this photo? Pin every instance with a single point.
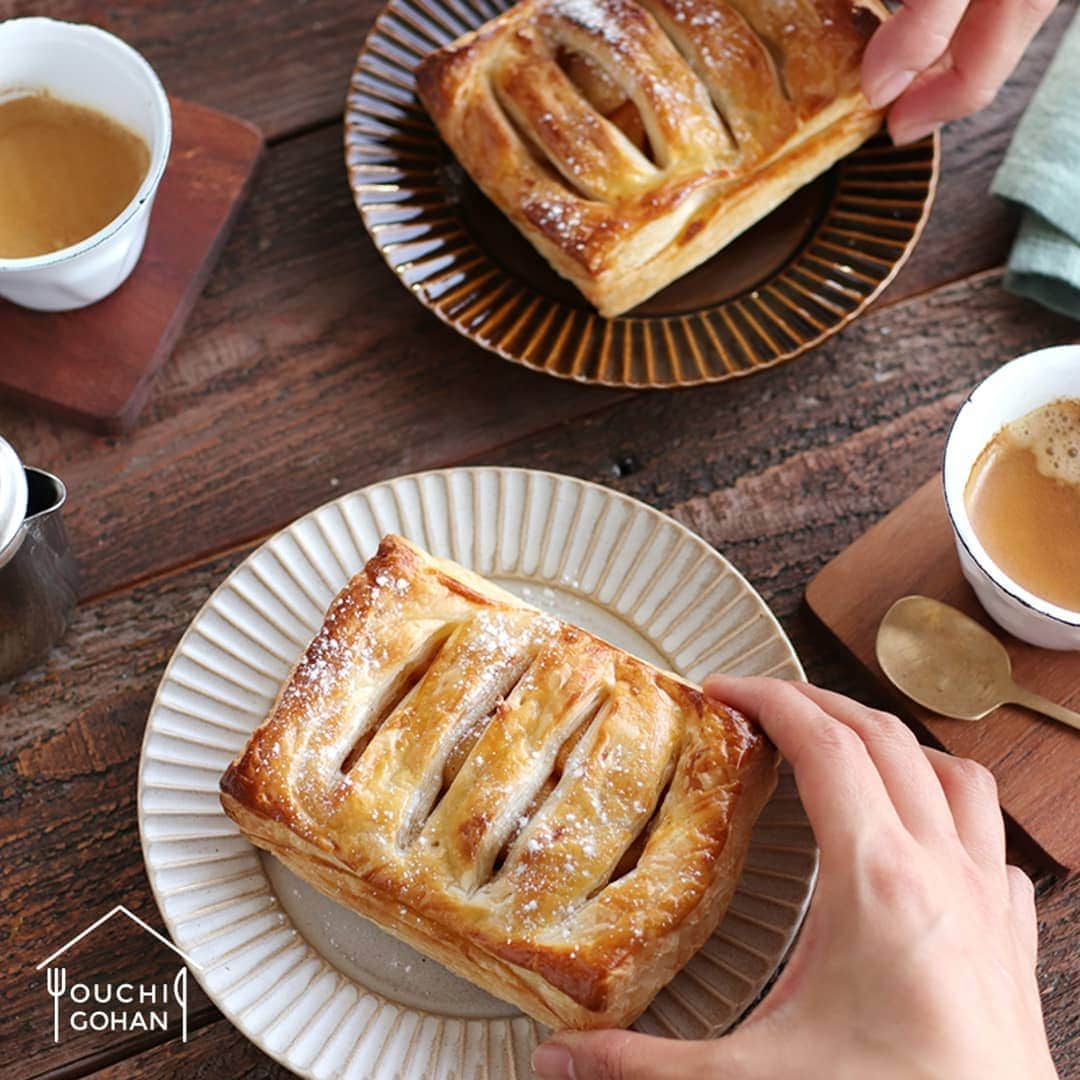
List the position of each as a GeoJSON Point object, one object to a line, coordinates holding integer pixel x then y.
{"type": "Point", "coordinates": [561, 220]}
{"type": "Point", "coordinates": [592, 15]}
{"type": "Point", "coordinates": [503, 653]}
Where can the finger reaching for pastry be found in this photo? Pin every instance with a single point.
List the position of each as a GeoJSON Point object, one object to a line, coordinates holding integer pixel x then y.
{"type": "Point", "coordinates": [940, 60]}
{"type": "Point", "coordinates": [918, 952]}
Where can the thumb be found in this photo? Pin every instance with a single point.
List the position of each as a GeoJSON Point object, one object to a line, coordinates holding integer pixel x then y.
{"type": "Point", "coordinates": [625, 1055]}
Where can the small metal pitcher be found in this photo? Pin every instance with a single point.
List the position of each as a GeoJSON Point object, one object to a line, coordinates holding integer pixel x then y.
{"type": "Point", "coordinates": [39, 581]}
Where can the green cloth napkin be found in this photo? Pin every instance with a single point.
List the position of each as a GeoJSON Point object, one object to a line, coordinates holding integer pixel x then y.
{"type": "Point", "coordinates": [1041, 172]}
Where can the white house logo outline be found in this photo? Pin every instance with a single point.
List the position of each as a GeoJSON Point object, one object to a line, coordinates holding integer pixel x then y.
{"type": "Point", "coordinates": [56, 978]}
{"type": "Point", "coordinates": [104, 919]}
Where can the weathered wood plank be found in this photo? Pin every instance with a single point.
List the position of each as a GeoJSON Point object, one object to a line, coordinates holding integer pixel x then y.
{"type": "Point", "coordinates": [260, 424]}
{"type": "Point", "coordinates": [306, 361]}
{"type": "Point", "coordinates": [779, 501]}
{"type": "Point", "coordinates": [69, 843]}
{"type": "Point", "coordinates": [217, 1050]}
{"type": "Point", "coordinates": [283, 66]}
{"type": "Point", "coordinates": [928, 351]}
{"type": "Point", "coordinates": [308, 367]}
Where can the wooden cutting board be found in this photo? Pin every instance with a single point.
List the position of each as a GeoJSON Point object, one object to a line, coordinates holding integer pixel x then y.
{"type": "Point", "coordinates": [95, 365]}
{"type": "Point", "coordinates": [1036, 761]}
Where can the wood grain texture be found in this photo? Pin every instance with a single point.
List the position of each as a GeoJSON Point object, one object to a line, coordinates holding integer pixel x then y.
{"type": "Point", "coordinates": [70, 735]}
{"type": "Point", "coordinates": [1034, 760]}
{"type": "Point", "coordinates": [214, 1051]}
{"type": "Point", "coordinates": [283, 66]}
{"type": "Point", "coordinates": [94, 365]}
{"type": "Point", "coordinates": [253, 449]}
{"type": "Point", "coordinates": [306, 370]}
{"type": "Point", "coordinates": [909, 364]}
{"type": "Point", "coordinates": [306, 361]}
{"type": "Point", "coordinates": [72, 730]}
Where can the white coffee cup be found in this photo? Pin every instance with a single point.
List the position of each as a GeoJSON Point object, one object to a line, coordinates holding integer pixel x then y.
{"type": "Point", "coordinates": [89, 67]}
{"type": "Point", "coordinates": [1010, 392]}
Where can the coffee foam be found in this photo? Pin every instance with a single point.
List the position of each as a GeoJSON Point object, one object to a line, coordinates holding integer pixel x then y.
{"type": "Point", "coordinates": [1052, 434]}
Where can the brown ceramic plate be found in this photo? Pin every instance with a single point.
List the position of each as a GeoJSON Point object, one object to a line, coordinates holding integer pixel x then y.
{"type": "Point", "coordinates": [791, 281]}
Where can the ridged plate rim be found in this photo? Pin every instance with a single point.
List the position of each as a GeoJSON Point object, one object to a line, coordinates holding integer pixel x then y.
{"type": "Point", "coordinates": [784, 814]}
{"type": "Point", "coordinates": [722, 339]}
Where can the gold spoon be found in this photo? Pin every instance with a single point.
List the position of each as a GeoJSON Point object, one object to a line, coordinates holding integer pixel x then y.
{"type": "Point", "coordinates": [947, 662]}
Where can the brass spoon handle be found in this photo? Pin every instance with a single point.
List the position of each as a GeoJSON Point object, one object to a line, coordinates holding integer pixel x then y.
{"type": "Point", "coordinates": [1046, 707]}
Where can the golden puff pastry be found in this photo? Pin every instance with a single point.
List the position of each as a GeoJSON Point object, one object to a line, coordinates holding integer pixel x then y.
{"type": "Point", "coordinates": [630, 140]}
{"type": "Point", "coordinates": [544, 814]}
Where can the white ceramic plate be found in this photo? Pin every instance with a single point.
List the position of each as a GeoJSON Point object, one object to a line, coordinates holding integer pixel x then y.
{"type": "Point", "coordinates": [319, 988]}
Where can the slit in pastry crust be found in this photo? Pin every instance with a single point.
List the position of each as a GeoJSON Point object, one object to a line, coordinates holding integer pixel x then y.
{"type": "Point", "coordinates": [601, 128]}
{"type": "Point", "coordinates": [543, 813]}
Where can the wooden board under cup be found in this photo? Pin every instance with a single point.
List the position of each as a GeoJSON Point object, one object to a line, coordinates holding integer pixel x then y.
{"type": "Point", "coordinates": [1036, 761]}
{"type": "Point", "coordinates": [95, 365]}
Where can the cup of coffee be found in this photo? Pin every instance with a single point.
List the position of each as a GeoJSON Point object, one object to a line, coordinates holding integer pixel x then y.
{"type": "Point", "coordinates": [1012, 488]}
{"type": "Point", "coordinates": [85, 132]}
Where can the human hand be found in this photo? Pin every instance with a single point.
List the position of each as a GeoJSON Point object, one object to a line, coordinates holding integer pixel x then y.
{"type": "Point", "coordinates": [938, 60]}
{"type": "Point", "coordinates": [917, 958]}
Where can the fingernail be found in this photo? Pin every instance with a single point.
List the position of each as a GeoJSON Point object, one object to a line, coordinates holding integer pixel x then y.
{"type": "Point", "coordinates": [889, 89]}
{"type": "Point", "coordinates": [717, 678]}
{"type": "Point", "coordinates": [902, 134]}
{"type": "Point", "coordinates": [553, 1062]}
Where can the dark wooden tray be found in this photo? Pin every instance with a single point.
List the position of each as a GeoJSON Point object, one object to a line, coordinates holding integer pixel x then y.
{"type": "Point", "coordinates": [1036, 761]}
{"type": "Point", "coordinates": [95, 365]}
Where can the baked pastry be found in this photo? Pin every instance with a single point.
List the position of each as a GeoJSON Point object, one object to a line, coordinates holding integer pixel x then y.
{"type": "Point", "coordinates": [555, 820]}
{"type": "Point", "coordinates": [630, 140]}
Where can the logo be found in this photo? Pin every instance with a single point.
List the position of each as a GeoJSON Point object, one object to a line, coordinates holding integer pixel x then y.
{"type": "Point", "coordinates": [122, 1006]}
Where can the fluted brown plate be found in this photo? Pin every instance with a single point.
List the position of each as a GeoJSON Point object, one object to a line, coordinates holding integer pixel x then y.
{"type": "Point", "coordinates": [790, 282]}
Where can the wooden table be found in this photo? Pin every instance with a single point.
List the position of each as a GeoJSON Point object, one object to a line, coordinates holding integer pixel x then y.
{"type": "Point", "coordinates": [307, 370]}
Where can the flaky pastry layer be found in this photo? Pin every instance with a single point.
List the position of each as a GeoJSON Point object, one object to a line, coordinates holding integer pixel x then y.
{"type": "Point", "coordinates": [555, 820]}
{"type": "Point", "coordinates": [630, 140]}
